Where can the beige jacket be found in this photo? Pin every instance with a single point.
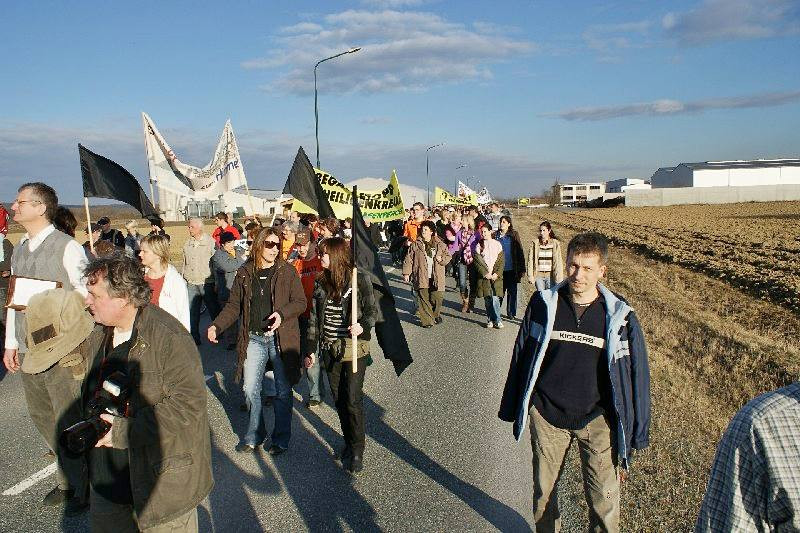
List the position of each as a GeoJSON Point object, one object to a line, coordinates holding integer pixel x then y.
{"type": "Point", "coordinates": [557, 274]}
{"type": "Point", "coordinates": [197, 256]}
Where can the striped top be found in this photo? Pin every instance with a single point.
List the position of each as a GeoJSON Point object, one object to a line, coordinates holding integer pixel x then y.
{"type": "Point", "coordinates": [545, 264]}
{"type": "Point", "coordinates": [333, 322]}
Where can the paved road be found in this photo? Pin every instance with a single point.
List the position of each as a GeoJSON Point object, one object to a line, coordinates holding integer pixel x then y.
{"type": "Point", "coordinates": [437, 457]}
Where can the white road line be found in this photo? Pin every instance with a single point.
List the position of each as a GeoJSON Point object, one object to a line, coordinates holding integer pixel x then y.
{"type": "Point", "coordinates": [25, 484]}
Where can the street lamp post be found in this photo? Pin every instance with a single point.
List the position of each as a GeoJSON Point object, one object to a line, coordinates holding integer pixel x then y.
{"type": "Point", "coordinates": [316, 109]}
{"type": "Point", "coordinates": [455, 179]}
{"type": "Point", "coordinates": [427, 172]}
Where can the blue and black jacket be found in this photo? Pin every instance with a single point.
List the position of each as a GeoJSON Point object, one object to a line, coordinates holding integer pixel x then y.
{"type": "Point", "coordinates": [627, 367]}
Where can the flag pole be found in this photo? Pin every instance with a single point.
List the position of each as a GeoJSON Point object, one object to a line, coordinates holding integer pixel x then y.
{"type": "Point", "coordinates": [88, 223]}
{"type": "Point", "coordinates": [149, 166]}
{"type": "Point", "coordinates": [354, 285]}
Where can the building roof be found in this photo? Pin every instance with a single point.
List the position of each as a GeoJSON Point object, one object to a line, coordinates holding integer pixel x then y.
{"type": "Point", "coordinates": [754, 163]}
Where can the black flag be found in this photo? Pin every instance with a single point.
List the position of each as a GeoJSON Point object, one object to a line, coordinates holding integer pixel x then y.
{"type": "Point", "coordinates": [303, 184]}
{"type": "Point", "coordinates": [390, 334]}
{"type": "Point", "coordinates": [103, 178]}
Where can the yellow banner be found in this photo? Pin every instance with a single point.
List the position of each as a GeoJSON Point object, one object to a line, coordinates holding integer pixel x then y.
{"type": "Point", "coordinates": [442, 197]}
{"type": "Point", "coordinates": [380, 206]}
{"type": "Point", "coordinates": [523, 201]}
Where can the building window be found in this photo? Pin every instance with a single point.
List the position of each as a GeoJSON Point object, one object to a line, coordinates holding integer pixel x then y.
{"type": "Point", "coordinates": [595, 187]}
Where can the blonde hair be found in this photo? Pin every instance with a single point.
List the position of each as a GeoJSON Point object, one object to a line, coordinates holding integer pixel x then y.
{"type": "Point", "coordinates": [131, 225]}
{"type": "Point", "coordinates": [159, 245]}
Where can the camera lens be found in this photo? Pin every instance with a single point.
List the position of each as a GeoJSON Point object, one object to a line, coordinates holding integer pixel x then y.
{"type": "Point", "coordinates": [82, 437]}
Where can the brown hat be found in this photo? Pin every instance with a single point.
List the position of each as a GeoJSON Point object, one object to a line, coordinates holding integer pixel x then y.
{"type": "Point", "coordinates": [57, 322]}
{"type": "Point", "coordinates": [303, 236]}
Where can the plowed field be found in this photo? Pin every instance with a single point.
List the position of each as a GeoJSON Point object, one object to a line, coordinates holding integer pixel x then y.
{"type": "Point", "coordinates": [753, 246]}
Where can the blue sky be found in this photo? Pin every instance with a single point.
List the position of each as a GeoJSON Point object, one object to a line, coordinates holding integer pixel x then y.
{"type": "Point", "coordinates": [524, 92]}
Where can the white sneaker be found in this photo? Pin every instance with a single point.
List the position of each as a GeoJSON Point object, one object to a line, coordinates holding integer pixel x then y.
{"type": "Point", "coordinates": [489, 325]}
{"type": "Point", "coordinates": [499, 325]}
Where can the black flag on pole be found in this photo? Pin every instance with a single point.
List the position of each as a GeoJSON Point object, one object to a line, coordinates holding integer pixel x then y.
{"type": "Point", "coordinates": [303, 185]}
{"type": "Point", "coordinates": [390, 334]}
{"type": "Point", "coordinates": [103, 178]}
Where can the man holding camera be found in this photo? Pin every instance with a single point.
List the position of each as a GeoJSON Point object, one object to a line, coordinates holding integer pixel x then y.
{"type": "Point", "coordinates": [153, 466]}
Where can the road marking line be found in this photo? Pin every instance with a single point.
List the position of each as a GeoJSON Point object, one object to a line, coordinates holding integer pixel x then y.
{"type": "Point", "coordinates": [25, 484]}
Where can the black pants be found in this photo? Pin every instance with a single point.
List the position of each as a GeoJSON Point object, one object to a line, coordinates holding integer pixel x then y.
{"type": "Point", "coordinates": [347, 389]}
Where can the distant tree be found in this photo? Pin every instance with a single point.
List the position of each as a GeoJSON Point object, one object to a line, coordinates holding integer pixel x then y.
{"type": "Point", "coordinates": [552, 195]}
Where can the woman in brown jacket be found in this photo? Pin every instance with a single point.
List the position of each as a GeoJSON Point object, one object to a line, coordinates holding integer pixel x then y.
{"type": "Point", "coordinates": [424, 268]}
{"type": "Point", "coordinates": [267, 297]}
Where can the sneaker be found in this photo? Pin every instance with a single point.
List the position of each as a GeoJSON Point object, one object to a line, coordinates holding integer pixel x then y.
{"type": "Point", "coordinates": [499, 325]}
{"type": "Point", "coordinates": [276, 450]}
{"type": "Point", "coordinates": [312, 404]}
{"type": "Point", "coordinates": [439, 320]}
{"type": "Point", "coordinates": [245, 448]}
{"type": "Point", "coordinates": [355, 464]}
{"type": "Point", "coordinates": [489, 325]}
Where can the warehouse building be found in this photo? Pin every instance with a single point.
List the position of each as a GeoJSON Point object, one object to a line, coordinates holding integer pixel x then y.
{"type": "Point", "coordinates": [729, 174]}
{"type": "Point", "coordinates": [621, 185]}
{"type": "Point", "coordinates": [571, 193]}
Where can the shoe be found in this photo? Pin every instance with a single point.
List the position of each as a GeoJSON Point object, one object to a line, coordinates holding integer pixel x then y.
{"type": "Point", "coordinates": [427, 326]}
{"type": "Point", "coordinates": [439, 320]}
{"type": "Point", "coordinates": [489, 325]}
{"type": "Point", "coordinates": [267, 401]}
{"type": "Point", "coordinates": [311, 404]}
{"type": "Point", "coordinates": [76, 506]}
{"type": "Point", "coordinates": [276, 450]}
{"type": "Point", "coordinates": [245, 448]}
{"type": "Point", "coordinates": [49, 454]}
{"type": "Point", "coordinates": [499, 325]}
{"type": "Point", "coordinates": [464, 305]}
{"type": "Point", "coordinates": [57, 496]}
{"type": "Point", "coordinates": [355, 464]}
{"type": "Point", "coordinates": [344, 455]}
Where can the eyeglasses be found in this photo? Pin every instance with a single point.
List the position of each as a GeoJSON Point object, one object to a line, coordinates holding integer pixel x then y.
{"type": "Point", "coordinates": [270, 244]}
{"type": "Point", "coordinates": [20, 202]}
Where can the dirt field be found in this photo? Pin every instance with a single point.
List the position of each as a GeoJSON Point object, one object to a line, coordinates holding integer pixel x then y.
{"type": "Point", "coordinates": [754, 246]}
{"type": "Point", "coordinates": [712, 346]}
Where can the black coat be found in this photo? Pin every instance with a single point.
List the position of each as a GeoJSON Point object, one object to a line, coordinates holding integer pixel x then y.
{"type": "Point", "coordinates": [367, 312]}
{"type": "Point", "coordinates": [517, 255]}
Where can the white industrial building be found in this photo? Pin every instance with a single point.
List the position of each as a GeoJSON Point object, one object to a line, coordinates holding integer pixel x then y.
{"type": "Point", "coordinates": [729, 174]}
{"type": "Point", "coordinates": [263, 202]}
{"type": "Point", "coordinates": [571, 193]}
{"type": "Point", "coordinates": [621, 185]}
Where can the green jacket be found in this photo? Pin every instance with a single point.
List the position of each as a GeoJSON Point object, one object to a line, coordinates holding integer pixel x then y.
{"type": "Point", "coordinates": [166, 433]}
{"type": "Point", "coordinates": [485, 287]}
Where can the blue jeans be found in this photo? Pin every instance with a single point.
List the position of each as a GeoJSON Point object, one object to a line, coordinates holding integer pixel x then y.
{"type": "Point", "coordinates": [313, 374]}
{"type": "Point", "coordinates": [493, 308]}
{"type": "Point", "coordinates": [197, 295]}
{"type": "Point", "coordinates": [259, 351]}
{"type": "Point", "coordinates": [510, 292]}
{"type": "Point", "coordinates": [461, 279]}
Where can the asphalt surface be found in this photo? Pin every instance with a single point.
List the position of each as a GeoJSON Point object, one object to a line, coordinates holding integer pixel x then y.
{"type": "Point", "coordinates": [437, 457]}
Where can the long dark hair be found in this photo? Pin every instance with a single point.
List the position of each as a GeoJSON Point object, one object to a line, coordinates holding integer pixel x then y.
{"type": "Point", "coordinates": [547, 225]}
{"type": "Point", "coordinates": [335, 278]}
{"type": "Point", "coordinates": [511, 232]}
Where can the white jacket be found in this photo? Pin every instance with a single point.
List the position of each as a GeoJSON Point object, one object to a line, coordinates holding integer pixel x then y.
{"type": "Point", "coordinates": [174, 298]}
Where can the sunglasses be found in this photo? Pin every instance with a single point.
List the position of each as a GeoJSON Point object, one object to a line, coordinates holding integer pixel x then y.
{"type": "Point", "coordinates": [270, 244]}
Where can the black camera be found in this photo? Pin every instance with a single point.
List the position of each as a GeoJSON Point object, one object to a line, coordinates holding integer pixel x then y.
{"type": "Point", "coordinates": [112, 399]}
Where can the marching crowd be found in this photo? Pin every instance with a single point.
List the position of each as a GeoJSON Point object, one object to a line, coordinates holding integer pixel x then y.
{"type": "Point", "coordinates": [114, 383]}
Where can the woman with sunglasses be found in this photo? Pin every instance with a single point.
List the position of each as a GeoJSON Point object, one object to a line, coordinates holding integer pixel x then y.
{"type": "Point", "coordinates": [267, 297]}
{"type": "Point", "coordinates": [330, 325]}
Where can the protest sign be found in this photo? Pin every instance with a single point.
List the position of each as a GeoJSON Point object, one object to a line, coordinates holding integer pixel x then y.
{"type": "Point", "coordinates": [442, 197]}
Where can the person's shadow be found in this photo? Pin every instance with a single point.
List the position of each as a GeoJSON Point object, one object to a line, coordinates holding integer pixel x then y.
{"type": "Point", "coordinates": [500, 515]}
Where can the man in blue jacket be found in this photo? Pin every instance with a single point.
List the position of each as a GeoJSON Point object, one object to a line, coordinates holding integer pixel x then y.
{"type": "Point", "coordinates": [579, 369]}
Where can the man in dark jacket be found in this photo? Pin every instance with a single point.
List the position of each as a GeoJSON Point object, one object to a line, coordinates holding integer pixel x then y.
{"type": "Point", "coordinates": [153, 467]}
{"type": "Point", "coordinates": [580, 369]}
{"type": "Point", "coordinates": [107, 233]}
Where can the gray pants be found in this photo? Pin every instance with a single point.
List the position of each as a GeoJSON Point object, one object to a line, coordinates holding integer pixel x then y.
{"type": "Point", "coordinates": [598, 466]}
{"type": "Point", "coordinates": [106, 516]}
{"type": "Point", "coordinates": [53, 398]}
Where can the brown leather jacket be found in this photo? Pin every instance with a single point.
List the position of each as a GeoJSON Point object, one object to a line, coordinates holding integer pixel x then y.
{"type": "Point", "coordinates": [166, 434]}
{"type": "Point", "coordinates": [416, 265]}
{"type": "Point", "coordinates": [288, 299]}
